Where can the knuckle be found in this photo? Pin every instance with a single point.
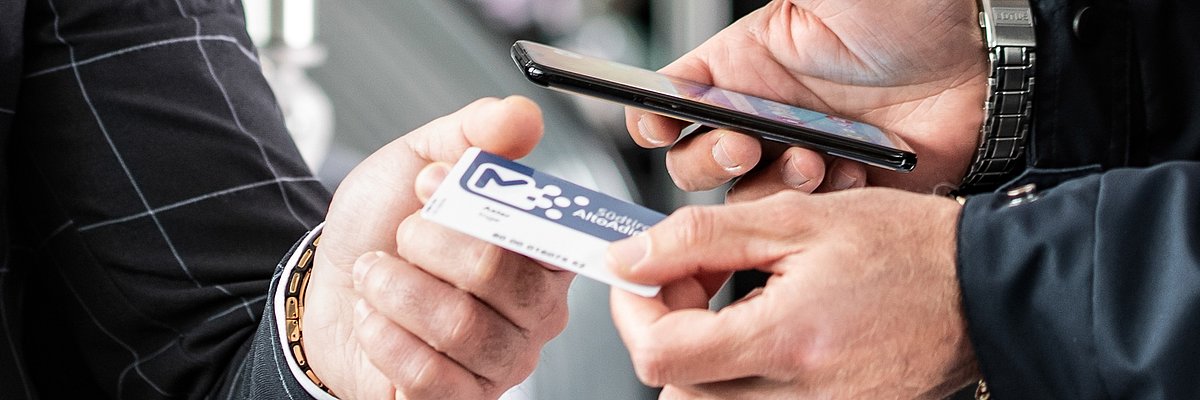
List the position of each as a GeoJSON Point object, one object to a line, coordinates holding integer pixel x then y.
{"type": "Point", "coordinates": [501, 353]}
{"type": "Point", "coordinates": [521, 369]}
{"type": "Point", "coordinates": [371, 330]}
{"type": "Point", "coordinates": [487, 271]}
{"type": "Point", "coordinates": [804, 359]}
{"type": "Point", "coordinates": [545, 303]}
{"type": "Point", "coordinates": [684, 174]}
{"type": "Point", "coordinates": [805, 362]}
{"type": "Point", "coordinates": [799, 217]}
{"type": "Point", "coordinates": [556, 320]}
{"type": "Point", "coordinates": [528, 291]}
{"type": "Point", "coordinates": [696, 226]}
{"type": "Point", "coordinates": [649, 364]}
{"type": "Point", "coordinates": [528, 284]}
{"type": "Point", "coordinates": [684, 182]}
{"type": "Point", "coordinates": [465, 322]}
{"type": "Point", "coordinates": [491, 344]}
{"type": "Point", "coordinates": [376, 281]}
{"type": "Point", "coordinates": [408, 232]}
{"type": "Point", "coordinates": [428, 382]}
{"type": "Point", "coordinates": [793, 197]}
{"type": "Point", "coordinates": [384, 286]}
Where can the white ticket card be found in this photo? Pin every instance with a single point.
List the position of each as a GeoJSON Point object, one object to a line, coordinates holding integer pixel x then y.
{"type": "Point", "coordinates": [541, 216]}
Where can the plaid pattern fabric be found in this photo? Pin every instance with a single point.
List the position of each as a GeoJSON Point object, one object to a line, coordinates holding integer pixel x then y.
{"type": "Point", "coordinates": [151, 190]}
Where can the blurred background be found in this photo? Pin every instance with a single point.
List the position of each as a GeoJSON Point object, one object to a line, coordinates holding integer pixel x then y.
{"type": "Point", "coordinates": [352, 76]}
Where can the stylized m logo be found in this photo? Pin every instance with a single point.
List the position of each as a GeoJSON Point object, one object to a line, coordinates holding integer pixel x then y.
{"type": "Point", "coordinates": [505, 185]}
{"type": "Point", "coordinates": [489, 175]}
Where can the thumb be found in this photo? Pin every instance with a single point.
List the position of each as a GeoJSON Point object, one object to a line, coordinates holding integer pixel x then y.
{"type": "Point", "coordinates": [705, 240]}
{"type": "Point", "coordinates": [651, 130]}
{"type": "Point", "coordinates": [510, 127]}
{"type": "Point", "coordinates": [429, 179]}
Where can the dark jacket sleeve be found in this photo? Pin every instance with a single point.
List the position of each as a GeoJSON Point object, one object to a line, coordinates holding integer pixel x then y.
{"type": "Point", "coordinates": [1089, 286]}
{"type": "Point", "coordinates": [157, 189]}
{"type": "Point", "coordinates": [264, 373]}
{"type": "Point", "coordinates": [1089, 291]}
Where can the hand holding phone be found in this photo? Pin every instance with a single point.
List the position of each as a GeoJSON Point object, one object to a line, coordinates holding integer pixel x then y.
{"type": "Point", "coordinates": [720, 108]}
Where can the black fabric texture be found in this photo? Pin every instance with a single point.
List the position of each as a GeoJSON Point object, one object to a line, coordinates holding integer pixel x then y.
{"type": "Point", "coordinates": [150, 191]}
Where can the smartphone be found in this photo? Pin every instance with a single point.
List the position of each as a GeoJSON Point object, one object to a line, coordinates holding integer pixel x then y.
{"type": "Point", "coordinates": [711, 106]}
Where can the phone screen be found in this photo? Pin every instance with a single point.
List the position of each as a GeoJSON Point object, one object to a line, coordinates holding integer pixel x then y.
{"type": "Point", "coordinates": [670, 86]}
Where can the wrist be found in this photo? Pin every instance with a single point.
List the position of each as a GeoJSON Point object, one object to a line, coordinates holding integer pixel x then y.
{"type": "Point", "coordinates": [290, 297]}
{"type": "Point", "coordinates": [963, 371]}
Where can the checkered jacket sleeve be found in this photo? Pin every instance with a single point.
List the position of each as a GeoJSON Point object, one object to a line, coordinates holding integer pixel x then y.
{"type": "Point", "coordinates": [152, 190]}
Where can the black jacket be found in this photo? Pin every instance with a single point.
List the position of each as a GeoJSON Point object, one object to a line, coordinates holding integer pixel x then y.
{"type": "Point", "coordinates": [149, 189]}
{"type": "Point", "coordinates": [1092, 289]}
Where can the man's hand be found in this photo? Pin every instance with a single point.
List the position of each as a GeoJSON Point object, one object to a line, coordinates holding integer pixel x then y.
{"type": "Point", "coordinates": [912, 67]}
{"type": "Point", "coordinates": [399, 307]}
{"type": "Point", "coordinates": [862, 302]}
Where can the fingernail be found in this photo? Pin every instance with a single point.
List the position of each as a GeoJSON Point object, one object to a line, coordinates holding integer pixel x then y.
{"type": "Point", "coordinates": [624, 254]}
{"type": "Point", "coordinates": [842, 180]}
{"type": "Point", "coordinates": [361, 311]}
{"type": "Point", "coordinates": [721, 155]}
{"type": "Point", "coordinates": [429, 179]}
{"type": "Point", "coordinates": [647, 133]}
{"type": "Point", "coordinates": [792, 175]}
{"type": "Point", "coordinates": [364, 264]}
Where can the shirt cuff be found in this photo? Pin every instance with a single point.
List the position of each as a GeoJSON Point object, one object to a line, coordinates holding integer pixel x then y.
{"type": "Point", "coordinates": [281, 320]}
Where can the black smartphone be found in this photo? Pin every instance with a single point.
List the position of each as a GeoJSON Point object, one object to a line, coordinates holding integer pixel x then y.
{"type": "Point", "coordinates": [712, 106]}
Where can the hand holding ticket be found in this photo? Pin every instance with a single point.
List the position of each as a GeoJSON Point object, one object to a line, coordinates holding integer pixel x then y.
{"type": "Point", "coordinates": [540, 216]}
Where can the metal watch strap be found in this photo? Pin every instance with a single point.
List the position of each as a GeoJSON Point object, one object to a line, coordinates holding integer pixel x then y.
{"type": "Point", "coordinates": [1009, 36]}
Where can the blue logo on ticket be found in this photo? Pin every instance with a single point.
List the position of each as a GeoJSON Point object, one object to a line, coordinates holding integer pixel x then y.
{"type": "Point", "coordinates": [541, 216]}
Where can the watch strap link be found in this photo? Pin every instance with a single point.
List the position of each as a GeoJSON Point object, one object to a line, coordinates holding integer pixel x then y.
{"type": "Point", "coordinates": [1008, 33]}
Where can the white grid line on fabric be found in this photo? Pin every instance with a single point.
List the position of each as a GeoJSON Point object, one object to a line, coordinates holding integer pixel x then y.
{"type": "Point", "coordinates": [121, 160]}
{"type": "Point", "coordinates": [234, 308]}
{"type": "Point", "coordinates": [88, 311]}
{"type": "Point", "coordinates": [99, 121]}
{"type": "Point", "coordinates": [60, 229]}
{"type": "Point", "coordinates": [220, 38]}
{"type": "Point", "coordinates": [279, 370]}
{"type": "Point", "coordinates": [138, 365]}
{"type": "Point", "coordinates": [234, 381]}
{"type": "Point", "coordinates": [196, 199]}
{"type": "Point", "coordinates": [7, 111]}
{"type": "Point", "coordinates": [238, 121]}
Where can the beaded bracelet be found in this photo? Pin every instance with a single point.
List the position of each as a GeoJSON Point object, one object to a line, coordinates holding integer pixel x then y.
{"type": "Point", "coordinates": [297, 286]}
{"type": "Point", "coordinates": [981, 391]}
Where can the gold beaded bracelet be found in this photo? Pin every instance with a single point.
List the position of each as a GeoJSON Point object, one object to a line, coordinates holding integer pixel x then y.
{"type": "Point", "coordinates": [981, 391]}
{"type": "Point", "coordinates": [297, 286]}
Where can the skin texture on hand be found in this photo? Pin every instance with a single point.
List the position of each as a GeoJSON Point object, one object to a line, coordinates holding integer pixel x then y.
{"type": "Point", "coordinates": [862, 302]}
{"type": "Point", "coordinates": [399, 307]}
{"type": "Point", "coordinates": [915, 68]}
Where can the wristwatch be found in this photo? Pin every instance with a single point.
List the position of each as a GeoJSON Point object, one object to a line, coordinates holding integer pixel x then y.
{"type": "Point", "coordinates": [1009, 37]}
